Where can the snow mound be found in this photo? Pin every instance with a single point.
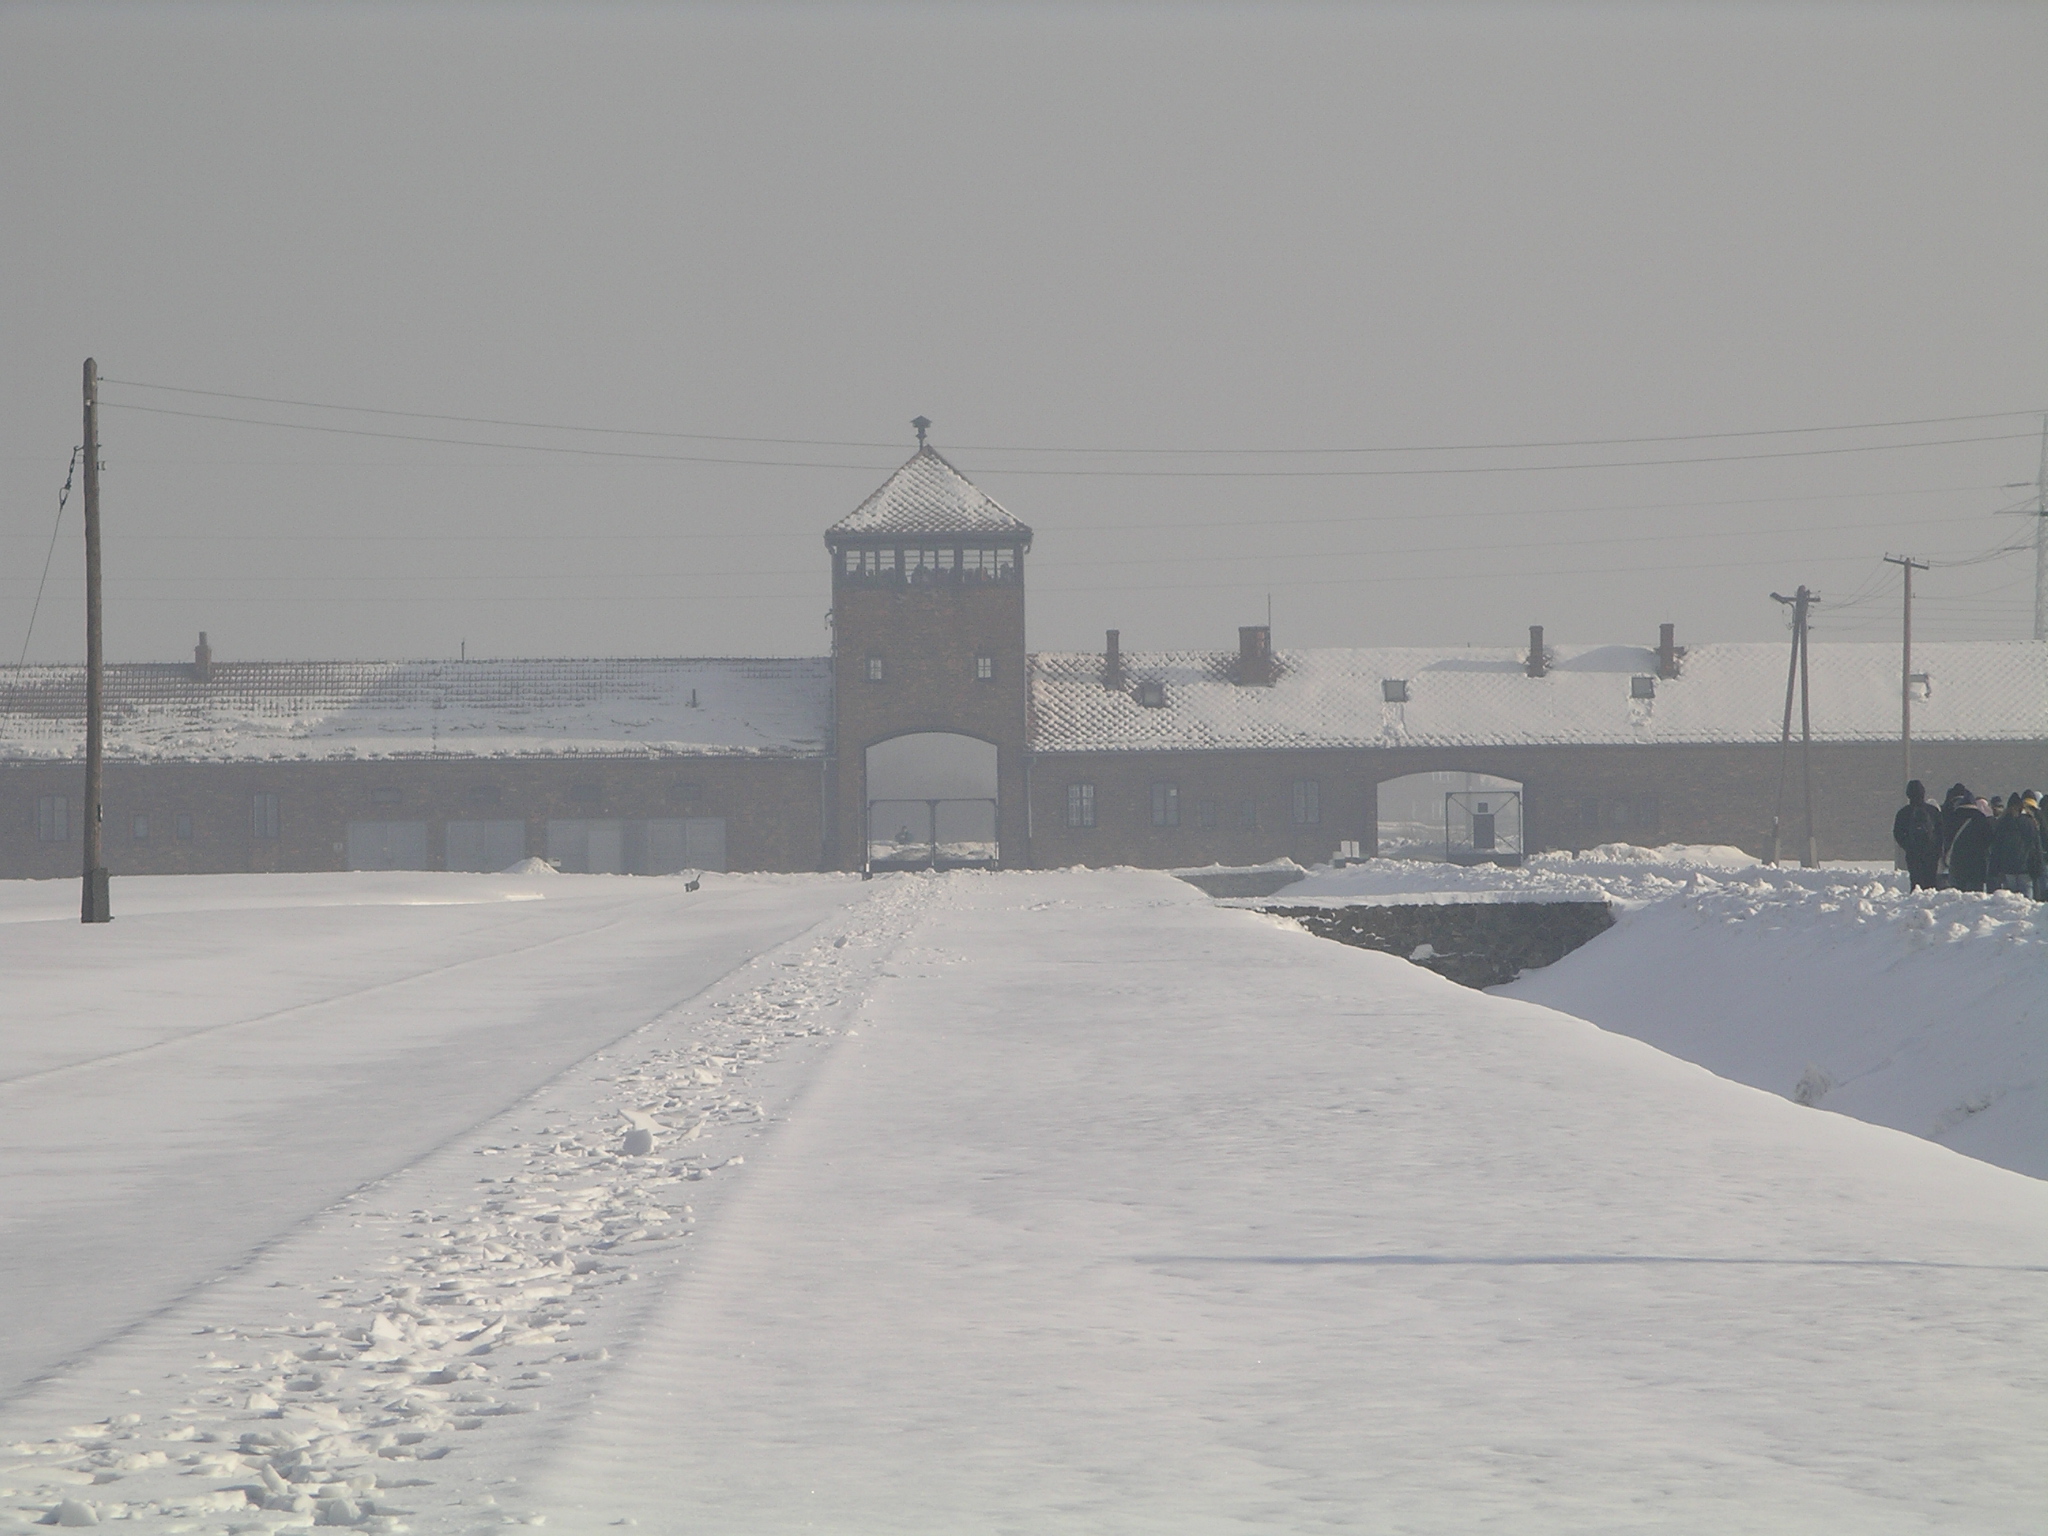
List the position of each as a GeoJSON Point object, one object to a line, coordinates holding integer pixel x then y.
{"type": "Point", "coordinates": [1924, 1011]}
{"type": "Point", "coordinates": [530, 866]}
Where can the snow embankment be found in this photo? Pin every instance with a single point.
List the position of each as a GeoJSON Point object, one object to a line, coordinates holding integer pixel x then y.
{"type": "Point", "coordinates": [1925, 1011]}
{"type": "Point", "coordinates": [1618, 872]}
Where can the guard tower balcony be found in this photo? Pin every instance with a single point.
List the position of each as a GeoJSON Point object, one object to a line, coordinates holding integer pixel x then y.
{"type": "Point", "coordinates": [928, 526]}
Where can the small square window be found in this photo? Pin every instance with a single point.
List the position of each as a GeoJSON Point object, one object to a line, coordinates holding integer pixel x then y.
{"type": "Point", "coordinates": [874, 669]}
{"type": "Point", "coordinates": [1205, 813]}
{"type": "Point", "coordinates": [1643, 687]}
{"type": "Point", "coordinates": [1151, 694]}
{"type": "Point", "coordinates": [984, 669]}
{"type": "Point", "coordinates": [181, 828]}
{"type": "Point", "coordinates": [1080, 805]}
{"type": "Point", "coordinates": [1165, 805]}
{"type": "Point", "coordinates": [138, 829]}
{"type": "Point", "coordinates": [263, 817]}
{"type": "Point", "coordinates": [1394, 690]}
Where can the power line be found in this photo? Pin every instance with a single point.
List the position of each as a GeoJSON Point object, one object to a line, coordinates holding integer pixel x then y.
{"type": "Point", "coordinates": [1176, 524]}
{"type": "Point", "coordinates": [805, 442]}
{"type": "Point", "coordinates": [382, 578]}
{"type": "Point", "coordinates": [1141, 474]}
{"type": "Point", "coordinates": [62, 497]}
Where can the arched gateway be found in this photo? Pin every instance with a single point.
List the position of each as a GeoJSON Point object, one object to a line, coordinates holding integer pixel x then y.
{"type": "Point", "coordinates": [928, 642]}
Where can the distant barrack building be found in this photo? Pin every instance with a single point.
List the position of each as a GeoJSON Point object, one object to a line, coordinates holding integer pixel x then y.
{"type": "Point", "coordinates": [930, 735]}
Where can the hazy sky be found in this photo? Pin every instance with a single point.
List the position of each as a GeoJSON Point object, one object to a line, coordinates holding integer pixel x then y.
{"type": "Point", "coordinates": [1257, 227]}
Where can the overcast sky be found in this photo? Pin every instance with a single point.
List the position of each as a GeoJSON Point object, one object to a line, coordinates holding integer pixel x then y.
{"type": "Point", "coordinates": [1050, 229]}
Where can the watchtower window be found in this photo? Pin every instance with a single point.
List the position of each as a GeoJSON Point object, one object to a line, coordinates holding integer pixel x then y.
{"type": "Point", "coordinates": [989, 563]}
{"type": "Point", "coordinates": [875, 563]}
{"type": "Point", "coordinates": [875, 672]}
{"type": "Point", "coordinates": [984, 669]}
{"type": "Point", "coordinates": [926, 563]}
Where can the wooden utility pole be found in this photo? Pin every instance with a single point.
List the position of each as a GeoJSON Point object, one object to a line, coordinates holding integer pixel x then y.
{"type": "Point", "coordinates": [1812, 859]}
{"type": "Point", "coordinates": [93, 906]}
{"type": "Point", "coordinates": [1797, 674]}
{"type": "Point", "coordinates": [1909, 565]}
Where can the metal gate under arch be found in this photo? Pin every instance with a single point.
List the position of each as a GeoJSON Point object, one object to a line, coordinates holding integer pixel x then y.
{"type": "Point", "coordinates": [955, 833]}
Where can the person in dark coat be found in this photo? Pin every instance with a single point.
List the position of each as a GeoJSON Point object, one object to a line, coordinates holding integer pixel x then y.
{"type": "Point", "coordinates": [1953, 806]}
{"type": "Point", "coordinates": [2038, 809]}
{"type": "Point", "coordinates": [2015, 847]}
{"type": "Point", "coordinates": [1969, 853]}
{"type": "Point", "coordinates": [1917, 831]}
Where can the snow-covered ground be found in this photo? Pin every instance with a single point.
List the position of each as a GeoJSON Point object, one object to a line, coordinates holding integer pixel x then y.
{"type": "Point", "coordinates": [1026, 1202]}
{"type": "Point", "coordinates": [1837, 987]}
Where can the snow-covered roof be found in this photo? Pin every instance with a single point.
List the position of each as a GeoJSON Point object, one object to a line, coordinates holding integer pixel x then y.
{"type": "Point", "coordinates": [928, 495]}
{"type": "Point", "coordinates": [1978, 691]}
{"type": "Point", "coordinates": [358, 709]}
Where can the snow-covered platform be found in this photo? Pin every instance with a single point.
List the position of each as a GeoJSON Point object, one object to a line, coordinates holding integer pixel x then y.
{"type": "Point", "coordinates": [1076, 1202]}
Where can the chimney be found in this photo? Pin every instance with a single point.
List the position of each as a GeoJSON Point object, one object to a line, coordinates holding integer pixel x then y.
{"type": "Point", "coordinates": [1669, 654]}
{"type": "Point", "coordinates": [1254, 656]}
{"type": "Point", "coordinates": [202, 660]}
{"type": "Point", "coordinates": [1113, 661]}
{"type": "Point", "coordinates": [1539, 659]}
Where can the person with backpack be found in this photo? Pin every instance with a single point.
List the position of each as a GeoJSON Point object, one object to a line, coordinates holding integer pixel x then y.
{"type": "Point", "coordinates": [1917, 831]}
{"type": "Point", "coordinates": [2016, 858]}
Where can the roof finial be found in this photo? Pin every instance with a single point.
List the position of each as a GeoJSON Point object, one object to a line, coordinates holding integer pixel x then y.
{"type": "Point", "coordinates": [923, 424]}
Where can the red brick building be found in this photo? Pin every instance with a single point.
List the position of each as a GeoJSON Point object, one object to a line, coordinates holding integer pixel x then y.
{"type": "Point", "coordinates": [932, 734]}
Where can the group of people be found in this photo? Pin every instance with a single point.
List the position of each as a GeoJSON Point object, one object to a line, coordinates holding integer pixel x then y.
{"type": "Point", "coordinates": [1969, 843]}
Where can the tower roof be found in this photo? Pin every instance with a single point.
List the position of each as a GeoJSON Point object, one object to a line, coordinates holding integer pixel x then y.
{"type": "Point", "coordinates": [928, 495]}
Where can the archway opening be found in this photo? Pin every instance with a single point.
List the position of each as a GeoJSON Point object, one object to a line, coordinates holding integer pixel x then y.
{"type": "Point", "coordinates": [1451, 816]}
{"type": "Point", "coordinates": [932, 802]}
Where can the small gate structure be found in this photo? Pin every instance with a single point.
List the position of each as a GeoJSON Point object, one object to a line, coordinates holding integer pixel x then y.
{"type": "Point", "coordinates": [932, 834]}
{"type": "Point", "coordinates": [1483, 826]}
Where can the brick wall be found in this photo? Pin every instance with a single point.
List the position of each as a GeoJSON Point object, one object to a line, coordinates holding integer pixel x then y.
{"type": "Point", "coordinates": [773, 807]}
{"type": "Point", "coordinates": [1573, 797]}
{"type": "Point", "coordinates": [927, 638]}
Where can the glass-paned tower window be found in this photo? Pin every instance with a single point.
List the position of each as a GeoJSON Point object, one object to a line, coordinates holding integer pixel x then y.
{"type": "Point", "coordinates": [1080, 805]}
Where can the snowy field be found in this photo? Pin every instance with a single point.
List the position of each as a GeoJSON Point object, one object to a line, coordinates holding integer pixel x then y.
{"type": "Point", "coordinates": [1837, 987]}
{"type": "Point", "coordinates": [1053, 1202]}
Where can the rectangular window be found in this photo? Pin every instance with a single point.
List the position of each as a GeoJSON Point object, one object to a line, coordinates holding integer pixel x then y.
{"type": "Point", "coordinates": [263, 817]}
{"type": "Point", "coordinates": [1165, 805]}
{"type": "Point", "coordinates": [876, 563]}
{"type": "Point", "coordinates": [1080, 805]}
{"type": "Point", "coordinates": [997, 563]}
{"type": "Point", "coordinates": [984, 669]}
{"type": "Point", "coordinates": [1308, 802]}
{"type": "Point", "coordinates": [874, 669]}
{"type": "Point", "coordinates": [929, 563]}
{"type": "Point", "coordinates": [53, 819]}
{"type": "Point", "coordinates": [182, 827]}
{"type": "Point", "coordinates": [1248, 814]}
{"type": "Point", "coordinates": [138, 829]}
{"type": "Point", "coordinates": [1205, 813]}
